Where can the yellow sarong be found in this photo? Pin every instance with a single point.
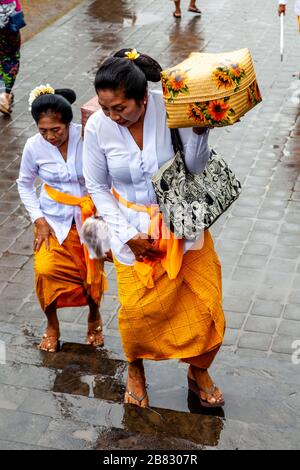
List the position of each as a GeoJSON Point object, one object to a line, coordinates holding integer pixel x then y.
{"type": "Point", "coordinates": [66, 273]}
{"type": "Point", "coordinates": [179, 318]}
{"type": "Point", "coordinates": [171, 308]}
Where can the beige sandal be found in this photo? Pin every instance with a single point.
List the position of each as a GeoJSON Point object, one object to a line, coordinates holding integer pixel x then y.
{"type": "Point", "coordinates": [94, 335]}
{"type": "Point", "coordinates": [50, 343]}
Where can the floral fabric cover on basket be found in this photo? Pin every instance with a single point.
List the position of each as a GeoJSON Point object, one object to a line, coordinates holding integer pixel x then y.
{"type": "Point", "coordinates": [210, 89]}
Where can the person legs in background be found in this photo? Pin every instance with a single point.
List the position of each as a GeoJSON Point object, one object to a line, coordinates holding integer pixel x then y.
{"type": "Point", "coordinates": [10, 43]}
{"type": "Point", "coordinates": [192, 7]}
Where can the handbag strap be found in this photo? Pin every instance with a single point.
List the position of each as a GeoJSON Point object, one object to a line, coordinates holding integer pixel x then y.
{"type": "Point", "coordinates": [176, 141]}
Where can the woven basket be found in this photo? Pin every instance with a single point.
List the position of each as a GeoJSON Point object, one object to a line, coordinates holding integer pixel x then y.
{"type": "Point", "coordinates": [210, 89]}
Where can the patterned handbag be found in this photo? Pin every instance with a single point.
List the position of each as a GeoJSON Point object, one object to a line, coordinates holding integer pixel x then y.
{"type": "Point", "coordinates": [192, 203]}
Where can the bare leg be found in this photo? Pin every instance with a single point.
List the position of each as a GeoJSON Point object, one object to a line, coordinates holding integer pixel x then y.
{"type": "Point", "coordinates": [136, 392]}
{"type": "Point", "coordinates": [193, 7]}
{"type": "Point", "coordinates": [177, 12]}
{"type": "Point", "coordinates": [204, 381]}
{"type": "Point", "coordinates": [94, 333]}
{"type": "Point", "coordinates": [51, 336]}
{"type": "Point", "coordinates": [5, 103]}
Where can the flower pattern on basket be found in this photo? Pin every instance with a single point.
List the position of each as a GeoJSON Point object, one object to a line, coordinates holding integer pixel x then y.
{"type": "Point", "coordinates": [217, 112]}
{"type": "Point", "coordinates": [226, 76]}
{"type": "Point", "coordinates": [174, 83]}
{"type": "Point", "coordinates": [254, 96]}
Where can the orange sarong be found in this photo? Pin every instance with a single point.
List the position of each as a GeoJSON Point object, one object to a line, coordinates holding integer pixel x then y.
{"type": "Point", "coordinates": [60, 270]}
{"type": "Point", "coordinates": [61, 273]}
{"type": "Point", "coordinates": [171, 308]}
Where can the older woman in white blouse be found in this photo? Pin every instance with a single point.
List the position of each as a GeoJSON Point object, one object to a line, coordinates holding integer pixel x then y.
{"type": "Point", "coordinates": [125, 144]}
{"type": "Point", "coordinates": [62, 267]}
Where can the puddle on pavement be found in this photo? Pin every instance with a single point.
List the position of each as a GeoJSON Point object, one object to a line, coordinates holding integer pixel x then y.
{"type": "Point", "coordinates": [121, 14]}
{"type": "Point", "coordinates": [164, 429]}
{"type": "Point", "coordinates": [83, 371]}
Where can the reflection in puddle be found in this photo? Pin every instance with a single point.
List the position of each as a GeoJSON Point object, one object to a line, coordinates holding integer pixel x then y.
{"type": "Point", "coordinates": [120, 13]}
{"type": "Point", "coordinates": [162, 429]}
{"type": "Point", "coordinates": [92, 373]}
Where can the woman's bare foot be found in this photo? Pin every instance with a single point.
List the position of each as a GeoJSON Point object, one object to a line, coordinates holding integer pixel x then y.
{"type": "Point", "coordinates": [193, 7]}
{"type": "Point", "coordinates": [50, 340]}
{"type": "Point", "coordinates": [94, 335]}
{"type": "Point", "coordinates": [136, 392]}
{"type": "Point", "coordinates": [212, 394]}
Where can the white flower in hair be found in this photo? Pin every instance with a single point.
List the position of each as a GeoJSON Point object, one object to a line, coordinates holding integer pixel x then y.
{"type": "Point", "coordinates": [38, 91]}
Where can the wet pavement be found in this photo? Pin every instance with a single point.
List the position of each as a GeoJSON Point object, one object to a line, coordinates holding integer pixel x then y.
{"type": "Point", "coordinates": [73, 399]}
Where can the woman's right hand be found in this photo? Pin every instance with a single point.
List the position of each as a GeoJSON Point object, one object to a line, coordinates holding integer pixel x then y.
{"type": "Point", "coordinates": [42, 234]}
{"type": "Point", "coordinates": [142, 247]}
{"type": "Point", "coordinates": [281, 9]}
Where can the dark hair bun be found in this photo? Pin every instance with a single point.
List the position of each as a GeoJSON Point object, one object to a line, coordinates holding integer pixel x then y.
{"type": "Point", "coordinates": [67, 93]}
{"type": "Point", "coordinates": [149, 66]}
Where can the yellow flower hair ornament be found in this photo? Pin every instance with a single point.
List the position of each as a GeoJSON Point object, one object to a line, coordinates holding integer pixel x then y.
{"type": "Point", "coordinates": [38, 91]}
{"type": "Point", "coordinates": [132, 55]}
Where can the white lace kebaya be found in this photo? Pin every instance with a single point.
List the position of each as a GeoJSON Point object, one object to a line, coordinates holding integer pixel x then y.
{"type": "Point", "coordinates": [111, 156]}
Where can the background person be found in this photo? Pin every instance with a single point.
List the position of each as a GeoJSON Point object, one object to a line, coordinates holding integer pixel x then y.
{"type": "Point", "coordinates": [10, 43]}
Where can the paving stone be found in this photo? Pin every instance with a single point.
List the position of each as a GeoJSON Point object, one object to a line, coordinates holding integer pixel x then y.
{"type": "Point", "coordinates": [284, 344]}
{"type": "Point", "coordinates": [261, 324]}
{"type": "Point", "coordinates": [289, 252]}
{"type": "Point", "coordinates": [13, 424]}
{"type": "Point", "coordinates": [294, 296]}
{"type": "Point", "coordinates": [258, 341]}
{"type": "Point", "coordinates": [12, 261]}
{"type": "Point", "coordinates": [247, 274]}
{"type": "Point", "coordinates": [234, 320]}
{"type": "Point", "coordinates": [266, 226]}
{"type": "Point", "coordinates": [270, 214]}
{"type": "Point", "coordinates": [68, 435]}
{"type": "Point", "coordinates": [259, 249]}
{"type": "Point", "coordinates": [253, 261]}
{"type": "Point", "coordinates": [267, 308]}
{"type": "Point", "coordinates": [262, 238]}
{"type": "Point", "coordinates": [244, 211]}
{"type": "Point", "coordinates": [292, 312]}
{"type": "Point", "coordinates": [289, 328]}
{"type": "Point", "coordinates": [21, 375]}
{"type": "Point", "coordinates": [272, 293]}
{"type": "Point", "coordinates": [236, 304]}
{"type": "Point", "coordinates": [231, 337]}
{"type": "Point", "coordinates": [280, 279]}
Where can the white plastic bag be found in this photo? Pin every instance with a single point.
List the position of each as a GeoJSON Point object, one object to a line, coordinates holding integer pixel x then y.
{"type": "Point", "coordinates": [96, 236]}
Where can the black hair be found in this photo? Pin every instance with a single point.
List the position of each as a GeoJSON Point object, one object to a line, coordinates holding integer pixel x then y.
{"type": "Point", "coordinates": [131, 76]}
{"type": "Point", "coordinates": [59, 103]}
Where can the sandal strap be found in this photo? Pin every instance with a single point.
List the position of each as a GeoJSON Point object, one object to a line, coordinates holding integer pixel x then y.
{"type": "Point", "coordinates": [135, 397]}
{"type": "Point", "coordinates": [209, 391]}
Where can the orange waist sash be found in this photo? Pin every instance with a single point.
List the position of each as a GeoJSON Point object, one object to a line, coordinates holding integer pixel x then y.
{"type": "Point", "coordinates": [95, 273]}
{"type": "Point", "coordinates": [164, 241]}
